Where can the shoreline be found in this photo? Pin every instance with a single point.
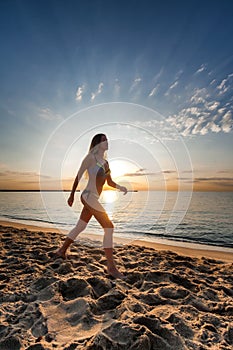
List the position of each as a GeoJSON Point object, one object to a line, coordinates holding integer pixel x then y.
{"type": "Point", "coordinates": [181, 248]}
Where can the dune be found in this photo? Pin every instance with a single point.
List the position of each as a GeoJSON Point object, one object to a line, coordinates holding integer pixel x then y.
{"type": "Point", "coordinates": [168, 300]}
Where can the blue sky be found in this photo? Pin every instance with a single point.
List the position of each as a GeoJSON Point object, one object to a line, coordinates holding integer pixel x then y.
{"type": "Point", "coordinates": [60, 57]}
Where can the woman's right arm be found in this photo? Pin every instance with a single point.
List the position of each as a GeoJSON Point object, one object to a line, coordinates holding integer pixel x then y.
{"type": "Point", "coordinates": [84, 166]}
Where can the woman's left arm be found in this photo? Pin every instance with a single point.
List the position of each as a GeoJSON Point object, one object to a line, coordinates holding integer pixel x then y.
{"type": "Point", "coordinates": [113, 184]}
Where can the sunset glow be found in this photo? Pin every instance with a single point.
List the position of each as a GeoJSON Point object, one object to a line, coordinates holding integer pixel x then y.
{"type": "Point", "coordinates": [173, 58]}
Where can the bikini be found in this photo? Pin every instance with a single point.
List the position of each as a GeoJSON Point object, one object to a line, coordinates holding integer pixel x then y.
{"type": "Point", "coordinates": [99, 171]}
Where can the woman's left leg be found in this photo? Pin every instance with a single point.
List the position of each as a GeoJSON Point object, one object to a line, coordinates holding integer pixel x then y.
{"type": "Point", "coordinates": [85, 217]}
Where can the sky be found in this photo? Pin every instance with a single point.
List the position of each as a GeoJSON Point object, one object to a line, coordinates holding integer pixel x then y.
{"type": "Point", "coordinates": [155, 76]}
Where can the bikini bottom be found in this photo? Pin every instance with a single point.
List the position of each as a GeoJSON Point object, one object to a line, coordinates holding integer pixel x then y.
{"type": "Point", "coordinates": [88, 211]}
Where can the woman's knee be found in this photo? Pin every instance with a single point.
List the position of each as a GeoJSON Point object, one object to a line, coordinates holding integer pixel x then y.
{"type": "Point", "coordinates": [111, 225]}
{"type": "Point", "coordinates": [81, 224]}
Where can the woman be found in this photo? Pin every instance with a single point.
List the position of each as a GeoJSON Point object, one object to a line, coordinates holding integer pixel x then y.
{"type": "Point", "coordinates": [98, 171]}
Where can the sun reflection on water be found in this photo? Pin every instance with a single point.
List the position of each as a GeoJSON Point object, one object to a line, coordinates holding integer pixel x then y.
{"type": "Point", "coordinates": [109, 196]}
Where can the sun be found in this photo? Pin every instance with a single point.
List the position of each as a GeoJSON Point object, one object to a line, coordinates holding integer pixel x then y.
{"type": "Point", "coordinates": [121, 167]}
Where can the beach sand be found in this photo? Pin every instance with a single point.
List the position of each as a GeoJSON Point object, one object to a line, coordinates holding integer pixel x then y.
{"type": "Point", "coordinates": [172, 297]}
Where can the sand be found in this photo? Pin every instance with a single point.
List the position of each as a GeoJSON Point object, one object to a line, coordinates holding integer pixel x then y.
{"type": "Point", "coordinates": [168, 300]}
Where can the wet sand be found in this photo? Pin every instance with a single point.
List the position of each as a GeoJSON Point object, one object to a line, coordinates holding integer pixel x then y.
{"type": "Point", "coordinates": [170, 299]}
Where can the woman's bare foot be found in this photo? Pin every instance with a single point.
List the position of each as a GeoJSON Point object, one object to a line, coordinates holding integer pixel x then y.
{"type": "Point", "coordinates": [59, 254]}
{"type": "Point", "coordinates": [115, 273]}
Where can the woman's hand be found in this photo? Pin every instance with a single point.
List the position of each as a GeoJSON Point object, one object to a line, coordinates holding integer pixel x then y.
{"type": "Point", "coordinates": [70, 200]}
{"type": "Point", "coordinates": [123, 189]}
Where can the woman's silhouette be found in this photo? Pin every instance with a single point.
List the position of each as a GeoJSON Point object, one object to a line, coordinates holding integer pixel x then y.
{"type": "Point", "coordinates": [98, 172]}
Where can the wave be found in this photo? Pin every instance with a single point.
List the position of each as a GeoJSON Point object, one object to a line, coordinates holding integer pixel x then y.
{"type": "Point", "coordinates": [33, 219]}
{"type": "Point", "coordinates": [187, 239]}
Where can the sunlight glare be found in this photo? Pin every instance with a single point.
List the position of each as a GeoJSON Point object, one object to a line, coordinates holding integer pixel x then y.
{"type": "Point", "coordinates": [120, 167]}
{"type": "Point", "coordinates": [109, 196]}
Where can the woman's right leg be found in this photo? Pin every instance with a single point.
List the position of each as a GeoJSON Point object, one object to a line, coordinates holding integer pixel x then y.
{"type": "Point", "coordinates": [108, 227]}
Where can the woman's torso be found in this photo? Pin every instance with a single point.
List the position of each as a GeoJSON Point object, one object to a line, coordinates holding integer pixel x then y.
{"type": "Point", "coordinates": [97, 175]}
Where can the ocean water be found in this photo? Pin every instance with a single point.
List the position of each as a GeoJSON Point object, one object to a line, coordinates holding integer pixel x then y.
{"type": "Point", "coordinates": [198, 217]}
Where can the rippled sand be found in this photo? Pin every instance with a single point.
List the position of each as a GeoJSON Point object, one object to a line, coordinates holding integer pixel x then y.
{"type": "Point", "coordinates": [167, 301]}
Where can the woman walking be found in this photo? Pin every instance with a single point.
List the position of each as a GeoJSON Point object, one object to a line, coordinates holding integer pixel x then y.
{"type": "Point", "coordinates": [98, 171]}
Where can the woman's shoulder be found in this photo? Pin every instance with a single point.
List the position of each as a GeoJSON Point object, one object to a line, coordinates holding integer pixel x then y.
{"type": "Point", "coordinates": [90, 158]}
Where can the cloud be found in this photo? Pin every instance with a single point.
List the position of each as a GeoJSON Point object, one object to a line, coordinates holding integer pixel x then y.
{"type": "Point", "coordinates": [213, 82]}
{"type": "Point", "coordinates": [226, 122]}
{"type": "Point", "coordinates": [201, 69]}
{"type": "Point", "coordinates": [211, 106]}
{"type": "Point", "coordinates": [205, 112]}
{"type": "Point", "coordinates": [214, 127]}
{"type": "Point", "coordinates": [140, 172]}
{"type": "Point", "coordinates": [225, 172]}
{"type": "Point", "coordinates": [79, 93]}
{"type": "Point", "coordinates": [221, 110]}
{"type": "Point", "coordinates": [25, 174]}
{"type": "Point", "coordinates": [178, 74]}
{"type": "Point", "coordinates": [48, 114]}
{"type": "Point", "coordinates": [168, 171]}
{"type": "Point", "coordinates": [98, 92]}
{"type": "Point", "coordinates": [201, 179]}
{"type": "Point", "coordinates": [212, 181]}
{"type": "Point", "coordinates": [135, 84]}
{"type": "Point", "coordinates": [158, 75]}
{"type": "Point", "coordinates": [222, 87]}
{"type": "Point", "coordinates": [225, 85]}
{"type": "Point", "coordinates": [171, 87]}
{"type": "Point", "coordinates": [199, 96]}
{"type": "Point", "coordinates": [154, 90]}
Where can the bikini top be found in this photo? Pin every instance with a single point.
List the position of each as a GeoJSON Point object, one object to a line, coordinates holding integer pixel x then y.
{"type": "Point", "coordinates": [100, 169]}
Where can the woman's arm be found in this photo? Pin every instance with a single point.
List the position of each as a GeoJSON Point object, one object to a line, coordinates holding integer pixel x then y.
{"type": "Point", "coordinates": [85, 164]}
{"type": "Point", "coordinates": [113, 184]}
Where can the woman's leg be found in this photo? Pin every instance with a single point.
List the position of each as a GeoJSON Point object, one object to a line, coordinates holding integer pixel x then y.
{"type": "Point", "coordinates": [106, 223]}
{"type": "Point", "coordinates": [80, 226]}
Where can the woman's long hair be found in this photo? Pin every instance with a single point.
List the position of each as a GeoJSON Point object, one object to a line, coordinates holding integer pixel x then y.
{"type": "Point", "coordinates": [94, 148]}
{"type": "Point", "coordinates": [95, 142]}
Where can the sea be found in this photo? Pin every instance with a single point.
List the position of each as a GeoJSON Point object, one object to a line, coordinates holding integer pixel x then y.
{"type": "Point", "coordinates": [197, 218]}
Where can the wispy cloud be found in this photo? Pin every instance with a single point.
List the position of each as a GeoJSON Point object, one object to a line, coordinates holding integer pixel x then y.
{"type": "Point", "coordinates": [201, 69]}
{"type": "Point", "coordinates": [48, 114]}
{"type": "Point", "coordinates": [225, 172]}
{"type": "Point", "coordinates": [79, 93]}
{"type": "Point", "coordinates": [222, 182]}
{"type": "Point", "coordinates": [158, 75]}
{"type": "Point", "coordinates": [141, 172]}
{"type": "Point", "coordinates": [168, 171]}
{"type": "Point", "coordinates": [135, 84]}
{"type": "Point", "coordinates": [98, 91]}
{"type": "Point", "coordinates": [154, 91]}
{"type": "Point", "coordinates": [214, 179]}
{"type": "Point", "coordinates": [173, 85]}
{"type": "Point", "coordinates": [25, 174]}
